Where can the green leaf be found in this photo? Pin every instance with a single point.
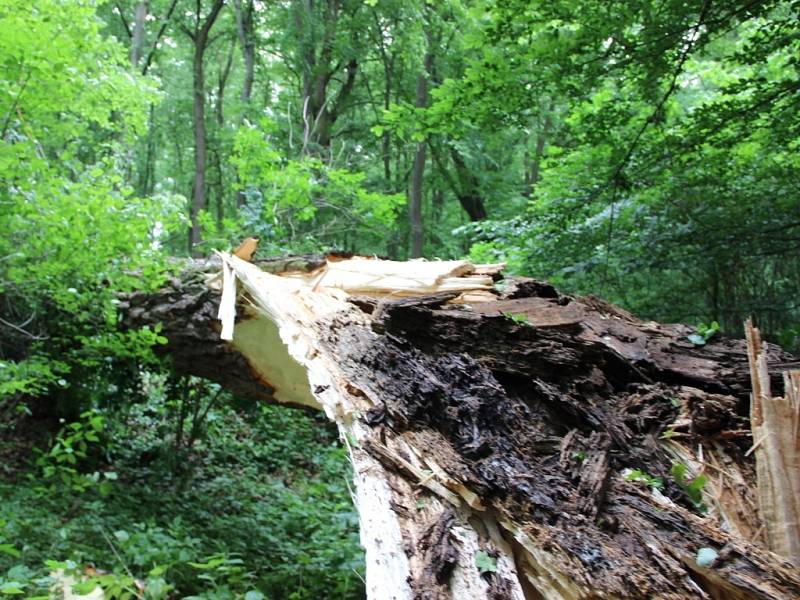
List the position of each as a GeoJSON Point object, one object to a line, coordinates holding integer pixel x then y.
{"type": "Point", "coordinates": [104, 488]}
{"type": "Point", "coordinates": [12, 588]}
{"type": "Point", "coordinates": [84, 587]}
{"type": "Point", "coordinates": [517, 318]}
{"type": "Point", "coordinates": [642, 477]}
{"type": "Point", "coordinates": [158, 570]}
{"type": "Point", "coordinates": [9, 549]}
{"type": "Point", "coordinates": [122, 535]}
{"type": "Point", "coordinates": [485, 562]}
{"type": "Point", "coordinates": [678, 471]}
{"type": "Point", "coordinates": [695, 490]}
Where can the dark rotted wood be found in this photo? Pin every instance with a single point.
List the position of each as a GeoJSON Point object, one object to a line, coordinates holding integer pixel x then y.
{"type": "Point", "coordinates": [497, 389]}
{"type": "Point", "coordinates": [440, 556]}
{"type": "Point", "coordinates": [533, 335]}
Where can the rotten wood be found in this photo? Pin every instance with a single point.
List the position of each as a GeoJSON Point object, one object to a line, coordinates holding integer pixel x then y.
{"type": "Point", "coordinates": [503, 423]}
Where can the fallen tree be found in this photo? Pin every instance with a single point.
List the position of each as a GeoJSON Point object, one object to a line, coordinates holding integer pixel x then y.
{"type": "Point", "coordinates": [508, 441]}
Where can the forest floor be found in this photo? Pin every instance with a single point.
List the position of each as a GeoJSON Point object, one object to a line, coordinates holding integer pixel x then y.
{"type": "Point", "coordinates": [259, 508]}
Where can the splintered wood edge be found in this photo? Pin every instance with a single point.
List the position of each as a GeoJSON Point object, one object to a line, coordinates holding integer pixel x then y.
{"type": "Point", "coordinates": [774, 422]}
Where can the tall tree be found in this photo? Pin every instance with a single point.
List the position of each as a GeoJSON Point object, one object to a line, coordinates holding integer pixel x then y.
{"type": "Point", "coordinates": [245, 29]}
{"type": "Point", "coordinates": [223, 75]}
{"type": "Point", "coordinates": [418, 168]}
{"type": "Point", "coordinates": [199, 35]}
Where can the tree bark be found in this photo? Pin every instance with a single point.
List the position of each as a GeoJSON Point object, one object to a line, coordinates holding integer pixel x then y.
{"type": "Point", "coordinates": [491, 432]}
{"type": "Point", "coordinates": [533, 165]}
{"type": "Point", "coordinates": [199, 37]}
{"type": "Point", "coordinates": [219, 114]}
{"type": "Point", "coordinates": [418, 168]}
{"type": "Point", "coordinates": [246, 33]}
{"type": "Point", "coordinates": [466, 189]}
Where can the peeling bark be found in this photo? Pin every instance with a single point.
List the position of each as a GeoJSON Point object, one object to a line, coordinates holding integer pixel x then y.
{"type": "Point", "coordinates": [503, 425]}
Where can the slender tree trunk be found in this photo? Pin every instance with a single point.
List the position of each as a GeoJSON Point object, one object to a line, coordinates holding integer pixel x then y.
{"type": "Point", "coordinates": [199, 186]}
{"type": "Point", "coordinates": [219, 113]}
{"type": "Point", "coordinates": [200, 39]}
{"type": "Point", "coordinates": [386, 141]}
{"type": "Point", "coordinates": [418, 169]}
{"type": "Point", "coordinates": [388, 61]}
{"type": "Point", "coordinates": [146, 175]}
{"type": "Point", "coordinates": [467, 190]}
{"type": "Point", "coordinates": [437, 205]}
{"type": "Point", "coordinates": [534, 165]}
{"type": "Point", "coordinates": [415, 200]}
{"type": "Point", "coordinates": [244, 29]}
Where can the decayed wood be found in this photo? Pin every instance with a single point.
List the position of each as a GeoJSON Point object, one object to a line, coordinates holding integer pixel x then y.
{"type": "Point", "coordinates": [776, 442]}
{"type": "Point", "coordinates": [499, 425]}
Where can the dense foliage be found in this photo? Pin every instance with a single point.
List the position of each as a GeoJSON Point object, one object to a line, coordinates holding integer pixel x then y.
{"type": "Point", "coordinates": [645, 151]}
{"type": "Point", "coordinates": [257, 504]}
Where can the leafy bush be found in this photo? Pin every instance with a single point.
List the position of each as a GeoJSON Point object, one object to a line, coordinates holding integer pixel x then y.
{"type": "Point", "coordinates": [265, 508]}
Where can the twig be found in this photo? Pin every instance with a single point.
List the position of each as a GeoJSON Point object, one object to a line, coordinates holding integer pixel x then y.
{"type": "Point", "coordinates": [20, 329]}
{"type": "Point", "coordinates": [13, 108]}
{"type": "Point", "coordinates": [114, 550]}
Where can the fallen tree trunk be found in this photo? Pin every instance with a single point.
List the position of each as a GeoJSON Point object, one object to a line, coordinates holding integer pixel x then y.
{"type": "Point", "coordinates": [514, 444]}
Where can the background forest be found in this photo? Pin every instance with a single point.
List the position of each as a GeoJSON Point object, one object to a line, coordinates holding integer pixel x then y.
{"type": "Point", "coordinates": [645, 151]}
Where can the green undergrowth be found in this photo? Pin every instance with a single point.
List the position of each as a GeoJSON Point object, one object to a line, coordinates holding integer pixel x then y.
{"type": "Point", "coordinates": [258, 507]}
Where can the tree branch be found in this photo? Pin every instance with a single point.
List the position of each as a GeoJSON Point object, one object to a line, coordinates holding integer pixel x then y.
{"type": "Point", "coordinates": [164, 23]}
{"type": "Point", "coordinates": [124, 21]}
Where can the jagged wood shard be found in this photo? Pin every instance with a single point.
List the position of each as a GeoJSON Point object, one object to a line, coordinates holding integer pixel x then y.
{"type": "Point", "coordinates": [776, 442]}
{"type": "Point", "coordinates": [490, 431]}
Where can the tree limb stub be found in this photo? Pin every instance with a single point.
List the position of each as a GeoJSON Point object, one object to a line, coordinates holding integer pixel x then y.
{"type": "Point", "coordinates": [490, 432]}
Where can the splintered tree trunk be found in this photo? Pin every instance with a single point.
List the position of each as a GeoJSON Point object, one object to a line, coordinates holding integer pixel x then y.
{"type": "Point", "coordinates": [517, 444]}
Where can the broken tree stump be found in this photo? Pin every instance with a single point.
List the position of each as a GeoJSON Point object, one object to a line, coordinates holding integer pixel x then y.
{"type": "Point", "coordinates": [514, 444]}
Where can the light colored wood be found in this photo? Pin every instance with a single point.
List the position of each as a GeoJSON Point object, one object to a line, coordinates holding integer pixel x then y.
{"type": "Point", "coordinates": [775, 423]}
{"type": "Point", "coordinates": [366, 276]}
